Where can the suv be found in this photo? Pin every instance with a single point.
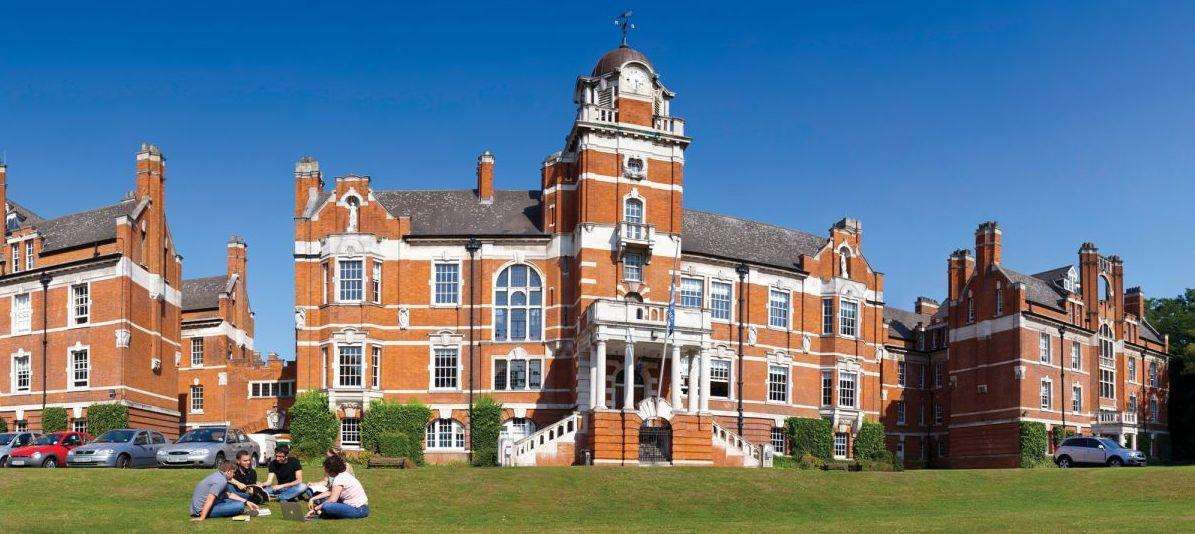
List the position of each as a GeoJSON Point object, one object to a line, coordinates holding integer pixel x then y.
{"type": "Point", "coordinates": [207, 446]}
{"type": "Point", "coordinates": [1081, 450]}
{"type": "Point", "coordinates": [49, 450]}
{"type": "Point", "coordinates": [13, 440]}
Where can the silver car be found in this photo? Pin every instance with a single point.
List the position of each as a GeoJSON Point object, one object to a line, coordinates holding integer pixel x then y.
{"type": "Point", "coordinates": [12, 440]}
{"type": "Point", "coordinates": [1081, 450]}
{"type": "Point", "coordinates": [125, 447]}
{"type": "Point", "coordinates": [207, 446]}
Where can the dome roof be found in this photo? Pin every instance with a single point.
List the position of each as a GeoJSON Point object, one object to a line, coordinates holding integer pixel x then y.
{"type": "Point", "coordinates": [616, 58]}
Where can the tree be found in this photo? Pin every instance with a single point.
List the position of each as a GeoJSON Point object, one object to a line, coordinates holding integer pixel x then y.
{"type": "Point", "coordinates": [1175, 317]}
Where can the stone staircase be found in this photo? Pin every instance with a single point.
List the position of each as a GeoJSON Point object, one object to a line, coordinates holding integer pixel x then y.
{"type": "Point", "coordinates": [736, 450]}
{"type": "Point", "coordinates": [554, 444]}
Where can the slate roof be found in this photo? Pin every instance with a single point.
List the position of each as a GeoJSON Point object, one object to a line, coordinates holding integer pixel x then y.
{"type": "Point", "coordinates": [82, 228]}
{"type": "Point", "coordinates": [1151, 333]}
{"type": "Point", "coordinates": [723, 236]}
{"type": "Point", "coordinates": [1038, 291]}
{"type": "Point", "coordinates": [903, 323]}
{"type": "Point", "coordinates": [203, 293]}
{"type": "Point", "coordinates": [458, 212]}
{"type": "Point", "coordinates": [24, 215]}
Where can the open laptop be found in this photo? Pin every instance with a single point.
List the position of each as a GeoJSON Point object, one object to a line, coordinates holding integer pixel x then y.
{"type": "Point", "coordinates": [294, 511]}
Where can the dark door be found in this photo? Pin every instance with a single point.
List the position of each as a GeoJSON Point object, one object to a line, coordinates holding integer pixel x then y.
{"type": "Point", "coordinates": [655, 441]}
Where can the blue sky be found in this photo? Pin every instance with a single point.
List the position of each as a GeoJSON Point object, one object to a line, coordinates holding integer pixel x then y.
{"type": "Point", "coordinates": [1067, 122]}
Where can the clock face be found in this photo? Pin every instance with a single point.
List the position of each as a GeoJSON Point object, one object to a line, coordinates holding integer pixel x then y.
{"type": "Point", "coordinates": [635, 80]}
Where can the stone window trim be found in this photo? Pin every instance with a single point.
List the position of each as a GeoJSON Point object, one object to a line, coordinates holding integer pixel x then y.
{"type": "Point", "coordinates": [508, 360]}
{"type": "Point", "coordinates": [78, 377]}
{"type": "Point", "coordinates": [715, 313]}
{"type": "Point", "coordinates": [337, 376]}
{"type": "Point", "coordinates": [436, 297]}
{"type": "Point", "coordinates": [779, 314]}
{"type": "Point", "coordinates": [270, 389]}
{"type": "Point", "coordinates": [197, 348]}
{"type": "Point", "coordinates": [445, 435]}
{"type": "Point", "coordinates": [196, 400]}
{"type": "Point", "coordinates": [340, 263]}
{"type": "Point", "coordinates": [79, 304]}
{"type": "Point", "coordinates": [503, 307]}
{"type": "Point", "coordinates": [779, 388]}
{"type": "Point", "coordinates": [22, 315]}
{"type": "Point", "coordinates": [15, 372]}
{"type": "Point", "coordinates": [431, 365]}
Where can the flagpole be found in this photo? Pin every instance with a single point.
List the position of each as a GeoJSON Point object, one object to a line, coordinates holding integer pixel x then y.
{"type": "Point", "coordinates": [670, 318]}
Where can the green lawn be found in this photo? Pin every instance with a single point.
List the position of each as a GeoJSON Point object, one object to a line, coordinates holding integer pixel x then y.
{"type": "Point", "coordinates": [656, 499]}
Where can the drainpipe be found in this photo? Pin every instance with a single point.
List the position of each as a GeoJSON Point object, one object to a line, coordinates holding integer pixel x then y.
{"type": "Point", "coordinates": [742, 271]}
{"type": "Point", "coordinates": [471, 246]}
{"type": "Point", "coordinates": [45, 279]}
{"type": "Point", "coordinates": [1062, 371]}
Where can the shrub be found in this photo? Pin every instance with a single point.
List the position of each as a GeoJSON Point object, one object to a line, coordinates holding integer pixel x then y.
{"type": "Point", "coordinates": [53, 420]}
{"type": "Point", "coordinates": [869, 443]}
{"type": "Point", "coordinates": [809, 436]}
{"type": "Point", "coordinates": [1060, 434]}
{"type": "Point", "coordinates": [3, 425]}
{"type": "Point", "coordinates": [107, 416]}
{"type": "Point", "coordinates": [1033, 444]}
{"type": "Point", "coordinates": [1144, 444]}
{"type": "Point", "coordinates": [313, 426]}
{"type": "Point", "coordinates": [485, 427]}
{"type": "Point", "coordinates": [385, 416]}
{"type": "Point", "coordinates": [809, 461]}
{"type": "Point", "coordinates": [401, 445]}
{"type": "Point", "coordinates": [885, 461]}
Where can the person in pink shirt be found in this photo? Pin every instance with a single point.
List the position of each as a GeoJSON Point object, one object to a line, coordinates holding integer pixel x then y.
{"type": "Point", "coordinates": [345, 498]}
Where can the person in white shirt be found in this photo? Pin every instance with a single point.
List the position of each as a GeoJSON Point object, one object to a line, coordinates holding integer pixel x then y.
{"type": "Point", "coordinates": [345, 498]}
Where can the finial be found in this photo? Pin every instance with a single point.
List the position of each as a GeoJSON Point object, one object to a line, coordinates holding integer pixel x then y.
{"type": "Point", "coordinates": [624, 23]}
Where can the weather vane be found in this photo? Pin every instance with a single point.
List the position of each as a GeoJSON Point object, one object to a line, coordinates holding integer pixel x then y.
{"type": "Point", "coordinates": [624, 23]}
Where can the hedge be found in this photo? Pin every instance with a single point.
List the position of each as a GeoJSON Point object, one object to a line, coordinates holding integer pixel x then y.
{"type": "Point", "coordinates": [810, 436]}
{"type": "Point", "coordinates": [313, 426]}
{"type": "Point", "coordinates": [1033, 444]}
{"type": "Point", "coordinates": [869, 443]}
{"type": "Point", "coordinates": [1144, 442]}
{"type": "Point", "coordinates": [386, 416]}
{"type": "Point", "coordinates": [53, 420]}
{"type": "Point", "coordinates": [400, 445]}
{"type": "Point", "coordinates": [484, 430]}
{"type": "Point", "coordinates": [107, 416]}
{"type": "Point", "coordinates": [1060, 434]}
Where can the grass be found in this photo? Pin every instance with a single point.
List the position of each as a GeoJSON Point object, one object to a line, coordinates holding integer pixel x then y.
{"type": "Point", "coordinates": [624, 499]}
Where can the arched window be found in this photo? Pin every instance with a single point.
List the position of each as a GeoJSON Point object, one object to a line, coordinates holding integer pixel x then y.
{"type": "Point", "coordinates": [518, 427]}
{"type": "Point", "coordinates": [1106, 346]}
{"type": "Point", "coordinates": [1105, 289]}
{"type": "Point", "coordinates": [632, 211]}
{"type": "Point", "coordinates": [518, 305]}
{"type": "Point", "coordinates": [445, 434]}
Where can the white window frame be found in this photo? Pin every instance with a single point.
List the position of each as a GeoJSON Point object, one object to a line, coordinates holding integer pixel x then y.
{"type": "Point", "coordinates": [338, 376]}
{"type": "Point", "coordinates": [530, 335]}
{"type": "Point", "coordinates": [939, 373]}
{"type": "Point", "coordinates": [1076, 356]}
{"type": "Point", "coordinates": [779, 440]}
{"type": "Point", "coordinates": [1046, 394]}
{"type": "Point", "coordinates": [970, 308]}
{"type": "Point", "coordinates": [349, 427]}
{"type": "Point", "coordinates": [74, 305]}
{"type": "Point", "coordinates": [729, 378]}
{"type": "Point", "coordinates": [1154, 374]}
{"type": "Point", "coordinates": [195, 407]}
{"type": "Point", "coordinates": [781, 387]}
{"type": "Point", "coordinates": [900, 412]}
{"type": "Point", "coordinates": [28, 254]}
{"type": "Point", "coordinates": [1107, 387]}
{"type": "Point", "coordinates": [686, 296]}
{"type": "Point", "coordinates": [79, 425]}
{"type": "Point", "coordinates": [1076, 398]}
{"type": "Point", "coordinates": [197, 342]}
{"type": "Point", "coordinates": [848, 318]}
{"type": "Point", "coordinates": [841, 438]}
{"type": "Point", "coordinates": [73, 383]}
{"type": "Point", "coordinates": [827, 395]}
{"type": "Point", "coordinates": [375, 282]}
{"type": "Point", "coordinates": [939, 414]}
{"type": "Point", "coordinates": [853, 391]}
{"type": "Point", "coordinates": [633, 271]}
{"type": "Point", "coordinates": [901, 369]}
{"type": "Point", "coordinates": [1131, 368]}
{"type": "Point", "coordinates": [375, 366]}
{"type": "Point", "coordinates": [431, 367]}
{"type": "Point", "coordinates": [20, 326]}
{"type": "Point", "coordinates": [729, 301]}
{"type": "Point", "coordinates": [439, 428]}
{"type": "Point", "coordinates": [456, 286]}
{"type": "Point", "coordinates": [16, 257]}
{"type": "Point", "coordinates": [341, 280]}
{"type": "Point", "coordinates": [1044, 344]}
{"type": "Point", "coordinates": [271, 389]}
{"type": "Point", "coordinates": [827, 316]}
{"type": "Point", "coordinates": [507, 361]}
{"type": "Point", "coordinates": [14, 375]}
{"type": "Point", "coordinates": [778, 314]}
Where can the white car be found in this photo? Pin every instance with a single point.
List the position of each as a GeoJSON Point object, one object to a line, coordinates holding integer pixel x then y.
{"type": "Point", "coordinates": [1081, 450]}
{"type": "Point", "coordinates": [266, 444]}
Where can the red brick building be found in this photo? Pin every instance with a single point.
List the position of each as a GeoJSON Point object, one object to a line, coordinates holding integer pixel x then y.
{"type": "Point", "coordinates": [89, 307]}
{"type": "Point", "coordinates": [222, 379]}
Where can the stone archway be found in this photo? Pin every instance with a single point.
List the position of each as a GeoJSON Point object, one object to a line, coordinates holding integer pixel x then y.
{"type": "Point", "coordinates": [655, 441]}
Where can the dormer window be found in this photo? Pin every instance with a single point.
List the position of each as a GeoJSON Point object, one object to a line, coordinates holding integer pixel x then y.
{"type": "Point", "coordinates": [12, 222]}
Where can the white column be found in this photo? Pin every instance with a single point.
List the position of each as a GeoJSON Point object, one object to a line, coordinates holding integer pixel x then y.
{"type": "Point", "coordinates": [674, 397]}
{"type": "Point", "coordinates": [705, 381]}
{"type": "Point", "coordinates": [592, 378]}
{"type": "Point", "coordinates": [694, 382]}
{"type": "Point", "coordinates": [599, 352]}
{"type": "Point", "coordinates": [628, 366]}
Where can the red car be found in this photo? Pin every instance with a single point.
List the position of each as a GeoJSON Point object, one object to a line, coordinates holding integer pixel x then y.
{"type": "Point", "coordinates": [48, 451]}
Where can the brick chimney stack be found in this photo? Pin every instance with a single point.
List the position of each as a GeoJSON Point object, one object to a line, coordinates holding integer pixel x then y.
{"type": "Point", "coordinates": [987, 245]}
{"type": "Point", "coordinates": [238, 257]}
{"type": "Point", "coordinates": [1134, 302]}
{"type": "Point", "coordinates": [309, 181]}
{"type": "Point", "coordinates": [925, 306]}
{"type": "Point", "coordinates": [959, 269]}
{"type": "Point", "coordinates": [485, 176]}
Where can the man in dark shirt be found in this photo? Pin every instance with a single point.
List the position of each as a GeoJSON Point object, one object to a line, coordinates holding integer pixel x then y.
{"type": "Point", "coordinates": [285, 481]}
{"type": "Point", "coordinates": [244, 479]}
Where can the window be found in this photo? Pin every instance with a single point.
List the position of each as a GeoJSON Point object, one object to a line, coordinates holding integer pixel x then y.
{"type": "Point", "coordinates": [349, 366]}
{"type": "Point", "coordinates": [350, 281]}
{"type": "Point", "coordinates": [848, 318]}
{"type": "Point", "coordinates": [445, 368]}
{"type": "Point", "coordinates": [938, 414]}
{"type": "Point", "coordinates": [375, 368]}
{"type": "Point", "coordinates": [518, 305]}
{"type": "Point", "coordinates": [939, 374]}
{"type": "Point", "coordinates": [447, 283]}
{"type": "Point", "coordinates": [1133, 403]}
{"type": "Point", "coordinates": [846, 389]}
{"type": "Point", "coordinates": [632, 211]}
{"type": "Point", "coordinates": [1153, 374]}
{"type": "Point", "coordinates": [1046, 394]}
{"type": "Point", "coordinates": [943, 447]}
{"type": "Point", "coordinates": [1107, 349]}
{"type": "Point", "coordinates": [720, 297]}
{"type": "Point", "coordinates": [21, 314]}
{"type": "Point", "coordinates": [23, 426]}
{"type": "Point", "coordinates": [350, 431]}
{"type": "Point", "coordinates": [1076, 355]}
{"type": "Point", "coordinates": [1076, 398]}
{"type": "Point", "coordinates": [375, 283]}
{"type": "Point", "coordinates": [827, 316]}
{"type": "Point", "coordinates": [840, 445]}
{"type": "Point", "coordinates": [1132, 368]}
{"type": "Point", "coordinates": [827, 388]}
{"type": "Point", "coordinates": [272, 389]}
{"type": "Point", "coordinates": [999, 302]}
{"type": "Point", "coordinates": [29, 256]}
{"type": "Point", "coordinates": [196, 399]}
{"type": "Point", "coordinates": [80, 304]}
{"type": "Point", "coordinates": [779, 440]}
{"type": "Point", "coordinates": [900, 412]}
{"type": "Point", "coordinates": [632, 266]}
{"type": "Point", "coordinates": [920, 415]}
{"type": "Point", "coordinates": [324, 294]}
{"type": "Point", "coordinates": [517, 374]}
{"type": "Point", "coordinates": [80, 368]}
{"type": "Point", "coordinates": [1153, 410]}
{"type": "Point", "coordinates": [1043, 347]}
{"type": "Point", "coordinates": [197, 352]}
{"type": "Point", "coordinates": [16, 257]}
{"type": "Point", "coordinates": [691, 292]}
{"type": "Point", "coordinates": [720, 378]}
{"type": "Point", "coordinates": [921, 376]}
{"type": "Point", "coordinates": [970, 309]}
{"type": "Point", "coordinates": [1107, 384]}
{"type": "Point", "coordinates": [22, 373]}
{"type": "Point", "coordinates": [778, 308]}
{"type": "Point", "coordinates": [900, 373]}
{"type": "Point", "coordinates": [777, 383]}
{"type": "Point", "coordinates": [445, 434]}
{"type": "Point", "coordinates": [519, 427]}
{"type": "Point", "coordinates": [79, 425]}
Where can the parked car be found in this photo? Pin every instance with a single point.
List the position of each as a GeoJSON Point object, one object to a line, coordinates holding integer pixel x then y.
{"type": "Point", "coordinates": [1081, 450]}
{"type": "Point", "coordinates": [207, 446]}
{"type": "Point", "coordinates": [49, 450]}
{"type": "Point", "coordinates": [13, 440]}
{"type": "Point", "coordinates": [266, 443]}
{"type": "Point", "coordinates": [125, 447]}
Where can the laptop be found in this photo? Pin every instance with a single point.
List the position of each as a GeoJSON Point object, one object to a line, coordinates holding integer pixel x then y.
{"type": "Point", "coordinates": [294, 511]}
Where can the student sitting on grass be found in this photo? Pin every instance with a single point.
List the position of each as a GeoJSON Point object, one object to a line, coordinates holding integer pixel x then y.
{"type": "Point", "coordinates": [244, 480]}
{"type": "Point", "coordinates": [345, 498]}
{"type": "Point", "coordinates": [212, 499]}
{"type": "Point", "coordinates": [322, 485]}
{"type": "Point", "coordinates": [285, 481]}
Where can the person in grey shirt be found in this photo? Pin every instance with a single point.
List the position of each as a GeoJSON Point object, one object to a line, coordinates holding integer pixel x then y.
{"type": "Point", "coordinates": [211, 497]}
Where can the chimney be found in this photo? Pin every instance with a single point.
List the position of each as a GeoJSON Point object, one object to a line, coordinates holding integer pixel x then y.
{"type": "Point", "coordinates": [151, 184]}
{"type": "Point", "coordinates": [849, 225]}
{"type": "Point", "coordinates": [1134, 302]}
{"type": "Point", "coordinates": [485, 176]}
{"type": "Point", "coordinates": [238, 257]}
{"type": "Point", "coordinates": [987, 245]}
{"type": "Point", "coordinates": [308, 183]}
{"type": "Point", "coordinates": [925, 306]}
{"type": "Point", "coordinates": [960, 268]}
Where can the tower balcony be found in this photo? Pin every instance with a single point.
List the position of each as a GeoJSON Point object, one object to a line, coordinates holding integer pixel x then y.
{"type": "Point", "coordinates": [598, 114]}
{"type": "Point", "coordinates": [672, 125]}
{"type": "Point", "coordinates": [635, 234]}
